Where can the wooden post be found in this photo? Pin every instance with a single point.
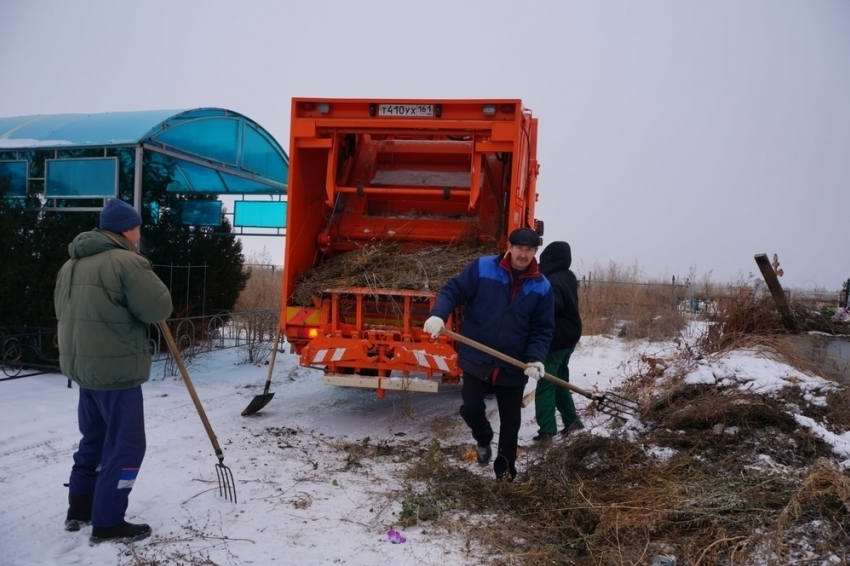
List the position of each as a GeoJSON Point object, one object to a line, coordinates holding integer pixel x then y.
{"type": "Point", "coordinates": [776, 291]}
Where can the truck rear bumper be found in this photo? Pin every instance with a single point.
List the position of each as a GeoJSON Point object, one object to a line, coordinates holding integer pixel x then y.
{"type": "Point", "coordinates": [385, 383]}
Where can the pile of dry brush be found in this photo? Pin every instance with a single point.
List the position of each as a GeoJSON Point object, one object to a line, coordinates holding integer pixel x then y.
{"type": "Point", "coordinates": [386, 266]}
{"type": "Point", "coordinates": [712, 476]}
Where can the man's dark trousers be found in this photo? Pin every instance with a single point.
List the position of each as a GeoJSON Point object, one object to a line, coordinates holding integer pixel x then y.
{"type": "Point", "coordinates": [111, 451]}
{"type": "Point", "coordinates": [474, 413]}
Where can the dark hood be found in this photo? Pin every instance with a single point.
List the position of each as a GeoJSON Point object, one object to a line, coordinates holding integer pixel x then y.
{"type": "Point", "coordinates": [557, 256]}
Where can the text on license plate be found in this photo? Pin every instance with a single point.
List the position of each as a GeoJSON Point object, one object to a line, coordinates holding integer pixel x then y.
{"type": "Point", "coordinates": [406, 110]}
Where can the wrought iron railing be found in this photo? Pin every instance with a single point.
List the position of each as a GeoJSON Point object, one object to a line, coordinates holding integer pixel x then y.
{"type": "Point", "coordinates": [27, 351]}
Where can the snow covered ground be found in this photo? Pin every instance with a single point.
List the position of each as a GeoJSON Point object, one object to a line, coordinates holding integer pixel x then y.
{"type": "Point", "coordinates": [299, 500]}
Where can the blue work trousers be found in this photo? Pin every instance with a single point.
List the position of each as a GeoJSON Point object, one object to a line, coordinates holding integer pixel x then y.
{"type": "Point", "coordinates": [111, 451]}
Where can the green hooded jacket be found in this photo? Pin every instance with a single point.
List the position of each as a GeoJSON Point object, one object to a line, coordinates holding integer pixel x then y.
{"type": "Point", "coordinates": [106, 297]}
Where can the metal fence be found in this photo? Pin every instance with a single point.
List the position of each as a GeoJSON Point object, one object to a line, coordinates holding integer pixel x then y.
{"type": "Point", "coordinates": [28, 351]}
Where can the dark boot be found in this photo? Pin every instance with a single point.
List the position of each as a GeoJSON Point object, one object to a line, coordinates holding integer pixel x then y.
{"type": "Point", "coordinates": [483, 454]}
{"type": "Point", "coordinates": [79, 511]}
{"type": "Point", "coordinates": [122, 532]}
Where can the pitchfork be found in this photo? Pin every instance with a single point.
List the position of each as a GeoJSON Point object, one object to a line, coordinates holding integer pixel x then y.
{"type": "Point", "coordinates": [606, 402]}
{"type": "Point", "coordinates": [226, 484]}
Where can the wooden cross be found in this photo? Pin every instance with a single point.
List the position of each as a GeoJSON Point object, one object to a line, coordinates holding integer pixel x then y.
{"type": "Point", "coordinates": [775, 265]}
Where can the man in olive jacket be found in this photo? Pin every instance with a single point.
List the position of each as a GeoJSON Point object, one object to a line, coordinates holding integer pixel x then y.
{"type": "Point", "coordinates": [106, 297]}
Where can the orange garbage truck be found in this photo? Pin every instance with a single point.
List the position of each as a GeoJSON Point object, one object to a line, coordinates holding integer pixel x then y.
{"type": "Point", "coordinates": [416, 174]}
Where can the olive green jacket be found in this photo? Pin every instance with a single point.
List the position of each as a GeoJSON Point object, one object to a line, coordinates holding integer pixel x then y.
{"type": "Point", "coordinates": [106, 297]}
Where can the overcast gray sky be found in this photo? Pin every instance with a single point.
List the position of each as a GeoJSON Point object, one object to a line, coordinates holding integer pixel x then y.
{"type": "Point", "coordinates": [673, 135]}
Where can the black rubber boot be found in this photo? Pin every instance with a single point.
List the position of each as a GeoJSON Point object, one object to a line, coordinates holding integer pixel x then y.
{"type": "Point", "coordinates": [483, 454]}
{"type": "Point", "coordinates": [79, 511]}
{"type": "Point", "coordinates": [123, 532]}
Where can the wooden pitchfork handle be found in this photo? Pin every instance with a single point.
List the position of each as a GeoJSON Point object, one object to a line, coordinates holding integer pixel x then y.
{"type": "Point", "coordinates": [192, 393]}
{"type": "Point", "coordinates": [517, 363]}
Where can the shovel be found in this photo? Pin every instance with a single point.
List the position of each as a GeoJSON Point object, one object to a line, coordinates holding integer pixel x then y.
{"type": "Point", "coordinates": [226, 485]}
{"type": "Point", "coordinates": [606, 402]}
{"type": "Point", "coordinates": [260, 401]}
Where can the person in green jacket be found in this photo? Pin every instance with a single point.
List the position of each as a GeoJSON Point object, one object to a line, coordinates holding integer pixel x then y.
{"type": "Point", "coordinates": [106, 297]}
{"type": "Point", "coordinates": [555, 264]}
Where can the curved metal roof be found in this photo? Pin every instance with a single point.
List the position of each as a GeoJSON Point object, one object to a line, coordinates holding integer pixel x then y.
{"type": "Point", "coordinates": [80, 130]}
{"type": "Point", "coordinates": [239, 149]}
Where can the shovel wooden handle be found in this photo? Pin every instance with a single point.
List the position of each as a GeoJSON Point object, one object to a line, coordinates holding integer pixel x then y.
{"type": "Point", "coordinates": [271, 361]}
{"type": "Point", "coordinates": [515, 362]}
{"type": "Point", "coordinates": [528, 398]}
{"type": "Point", "coordinates": [169, 339]}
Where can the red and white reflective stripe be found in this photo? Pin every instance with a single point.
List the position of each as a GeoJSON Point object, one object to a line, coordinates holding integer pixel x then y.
{"type": "Point", "coordinates": [441, 363]}
{"type": "Point", "coordinates": [422, 360]}
{"type": "Point", "coordinates": [338, 353]}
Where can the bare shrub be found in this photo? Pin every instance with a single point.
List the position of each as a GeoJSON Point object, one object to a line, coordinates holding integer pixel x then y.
{"type": "Point", "coordinates": [264, 287]}
{"type": "Point", "coordinates": [751, 320]}
{"type": "Point", "coordinates": [261, 297]}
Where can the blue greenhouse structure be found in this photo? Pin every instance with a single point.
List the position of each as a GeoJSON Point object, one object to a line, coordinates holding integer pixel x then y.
{"type": "Point", "coordinates": [74, 162]}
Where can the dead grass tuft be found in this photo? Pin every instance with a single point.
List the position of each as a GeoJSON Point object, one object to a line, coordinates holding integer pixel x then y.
{"type": "Point", "coordinates": [621, 301]}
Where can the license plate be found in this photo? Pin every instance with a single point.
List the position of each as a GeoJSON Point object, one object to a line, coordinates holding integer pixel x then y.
{"type": "Point", "coordinates": [415, 110]}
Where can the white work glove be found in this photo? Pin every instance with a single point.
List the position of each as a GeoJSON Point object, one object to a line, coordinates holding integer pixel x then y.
{"type": "Point", "coordinates": [535, 370]}
{"type": "Point", "coordinates": [434, 325]}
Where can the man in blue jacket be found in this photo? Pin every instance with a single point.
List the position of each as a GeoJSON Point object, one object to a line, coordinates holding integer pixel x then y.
{"type": "Point", "coordinates": [509, 307]}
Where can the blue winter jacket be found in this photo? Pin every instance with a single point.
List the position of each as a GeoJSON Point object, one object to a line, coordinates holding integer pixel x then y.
{"type": "Point", "coordinates": [520, 326]}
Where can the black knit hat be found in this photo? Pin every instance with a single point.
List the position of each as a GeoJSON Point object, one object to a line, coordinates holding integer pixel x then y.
{"type": "Point", "coordinates": [524, 237]}
{"type": "Point", "coordinates": [118, 216]}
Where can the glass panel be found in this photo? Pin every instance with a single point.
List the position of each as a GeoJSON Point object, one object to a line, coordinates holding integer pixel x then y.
{"type": "Point", "coordinates": [15, 174]}
{"type": "Point", "coordinates": [201, 179]}
{"type": "Point", "coordinates": [247, 186]}
{"type": "Point", "coordinates": [126, 170]}
{"type": "Point", "coordinates": [212, 138]}
{"type": "Point", "coordinates": [200, 212]}
{"type": "Point", "coordinates": [81, 178]}
{"type": "Point", "coordinates": [259, 214]}
{"type": "Point", "coordinates": [261, 157]}
{"type": "Point", "coordinates": [153, 212]}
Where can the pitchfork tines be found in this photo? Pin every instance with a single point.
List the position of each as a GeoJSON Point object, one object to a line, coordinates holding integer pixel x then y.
{"type": "Point", "coordinates": [226, 483]}
{"type": "Point", "coordinates": [616, 405]}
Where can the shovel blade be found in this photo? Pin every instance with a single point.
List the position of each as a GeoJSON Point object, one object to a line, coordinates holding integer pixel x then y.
{"type": "Point", "coordinates": [257, 403]}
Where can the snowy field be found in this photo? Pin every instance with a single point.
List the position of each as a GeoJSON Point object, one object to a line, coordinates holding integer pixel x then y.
{"type": "Point", "coordinates": [298, 500]}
